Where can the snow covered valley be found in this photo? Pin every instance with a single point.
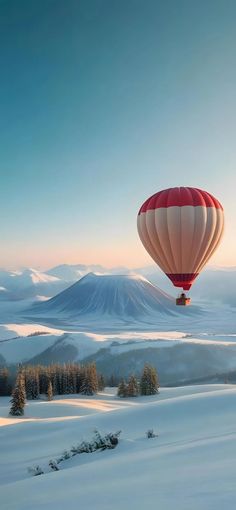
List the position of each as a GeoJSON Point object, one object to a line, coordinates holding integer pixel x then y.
{"type": "Point", "coordinates": [190, 465]}
{"type": "Point", "coordinates": [120, 321]}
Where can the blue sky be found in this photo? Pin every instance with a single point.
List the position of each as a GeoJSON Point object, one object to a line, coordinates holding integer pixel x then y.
{"type": "Point", "coordinates": [102, 104]}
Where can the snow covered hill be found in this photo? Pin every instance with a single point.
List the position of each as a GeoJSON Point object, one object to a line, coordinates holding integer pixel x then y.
{"type": "Point", "coordinates": [189, 466]}
{"type": "Point", "coordinates": [110, 299]}
{"type": "Point", "coordinates": [177, 356]}
{"type": "Point", "coordinates": [29, 283]}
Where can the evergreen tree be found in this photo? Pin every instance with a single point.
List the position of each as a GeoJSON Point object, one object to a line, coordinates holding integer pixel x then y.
{"type": "Point", "coordinates": [71, 378]}
{"type": "Point", "coordinates": [59, 383]}
{"type": "Point", "coordinates": [144, 382]}
{"type": "Point", "coordinates": [122, 389]}
{"type": "Point", "coordinates": [149, 381]}
{"type": "Point", "coordinates": [79, 378]}
{"type": "Point", "coordinates": [18, 396]}
{"type": "Point", "coordinates": [112, 381]}
{"type": "Point", "coordinates": [4, 386]}
{"type": "Point", "coordinates": [101, 382]}
{"type": "Point", "coordinates": [65, 385]}
{"type": "Point", "coordinates": [154, 382]}
{"type": "Point", "coordinates": [32, 385]}
{"type": "Point", "coordinates": [132, 387]}
{"type": "Point", "coordinates": [49, 391]}
{"type": "Point", "coordinates": [44, 376]}
{"type": "Point", "coordinates": [90, 382]}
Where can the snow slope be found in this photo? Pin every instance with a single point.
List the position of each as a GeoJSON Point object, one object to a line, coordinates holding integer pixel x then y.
{"type": "Point", "coordinates": [189, 466]}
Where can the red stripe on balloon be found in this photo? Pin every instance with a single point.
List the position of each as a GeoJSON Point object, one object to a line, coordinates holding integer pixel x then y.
{"type": "Point", "coordinates": [179, 197]}
{"type": "Point", "coordinates": [184, 280]}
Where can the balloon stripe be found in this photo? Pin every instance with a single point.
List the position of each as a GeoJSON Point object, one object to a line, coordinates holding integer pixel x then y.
{"type": "Point", "coordinates": [148, 244]}
{"type": "Point", "coordinates": [180, 197]}
{"type": "Point", "coordinates": [174, 231]}
{"type": "Point", "coordinates": [163, 234]}
{"type": "Point", "coordinates": [211, 224]}
{"type": "Point", "coordinates": [218, 233]}
{"type": "Point", "coordinates": [153, 235]}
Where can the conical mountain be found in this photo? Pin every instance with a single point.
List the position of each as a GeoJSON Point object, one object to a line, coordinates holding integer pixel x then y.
{"type": "Point", "coordinates": [123, 297]}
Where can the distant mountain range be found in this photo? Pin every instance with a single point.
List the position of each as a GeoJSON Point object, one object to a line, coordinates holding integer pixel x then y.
{"type": "Point", "coordinates": [116, 320]}
{"type": "Point", "coordinates": [213, 285]}
{"type": "Point", "coordinates": [28, 283]}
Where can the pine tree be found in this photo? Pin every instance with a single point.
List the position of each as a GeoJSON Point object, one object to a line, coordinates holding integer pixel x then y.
{"type": "Point", "coordinates": [132, 387]}
{"type": "Point", "coordinates": [54, 384]}
{"type": "Point", "coordinates": [44, 376]}
{"type": "Point", "coordinates": [149, 381]}
{"type": "Point", "coordinates": [144, 382]}
{"type": "Point", "coordinates": [32, 382]}
{"type": "Point", "coordinates": [122, 389]}
{"type": "Point", "coordinates": [18, 396]}
{"type": "Point", "coordinates": [4, 386]}
{"type": "Point", "coordinates": [71, 378]}
{"type": "Point", "coordinates": [59, 375]}
{"type": "Point", "coordinates": [90, 382]}
{"type": "Point", "coordinates": [65, 385]}
{"type": "Point", "coordinates": [49, 391]}
{"type": "Point", "coordinates": [101, 382]}
{"type": "Point", "coordinates": [79, 378]}
{"type": "Point", "coordinates": [112, 381]}
{"type": "Point", "coordinates": [154, 382]}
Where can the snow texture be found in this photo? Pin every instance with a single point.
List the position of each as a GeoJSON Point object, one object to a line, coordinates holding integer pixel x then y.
{"type": "Point", "coordinates": [190, 465]}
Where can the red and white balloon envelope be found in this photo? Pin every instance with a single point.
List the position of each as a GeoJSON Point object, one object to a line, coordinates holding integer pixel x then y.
{"type": "Point", "coordinates": [181, 229]}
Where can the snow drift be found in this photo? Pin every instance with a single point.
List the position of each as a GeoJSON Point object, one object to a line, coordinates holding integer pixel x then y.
{"type": "Point", "coordinates": [190, 465]}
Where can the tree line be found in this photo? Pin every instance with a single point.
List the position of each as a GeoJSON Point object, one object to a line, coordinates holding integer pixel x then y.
{"type": "Point", "coordinates": [72, 378]}
{"type": "Point", "coordinates": [32, 381]}
{"type": "Point", "coordinates": [147, 385]}
{"type": "Point", "coordinates": [64, 379]}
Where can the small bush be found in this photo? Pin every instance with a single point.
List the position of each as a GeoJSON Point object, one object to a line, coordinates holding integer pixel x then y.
{"type": "Point", "coordinates": [35, 471]}
{"type": "Point", "coordinates": [151, 434]}
{"type": "Point", "coordinates": [53, 465]}
{"type": "Point", "coordinates": [99, 442]}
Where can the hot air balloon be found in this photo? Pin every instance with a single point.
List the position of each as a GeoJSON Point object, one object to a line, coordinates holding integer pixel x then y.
{"type": "Point", "coordinates": [181, 228]}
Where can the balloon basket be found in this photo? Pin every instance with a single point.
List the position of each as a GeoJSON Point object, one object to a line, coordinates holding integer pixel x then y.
{"type": "Point", "coordinates": [183, 300]}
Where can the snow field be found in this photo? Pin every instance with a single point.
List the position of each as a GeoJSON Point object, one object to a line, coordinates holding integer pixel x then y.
{"type": "Point", "coordinates": [189, 466]}
{"type": "Point", "coordinates": [16, 349]}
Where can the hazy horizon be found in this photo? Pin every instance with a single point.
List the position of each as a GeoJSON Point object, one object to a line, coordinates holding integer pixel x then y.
{"type": "Point", "coordinates": [152, 264]}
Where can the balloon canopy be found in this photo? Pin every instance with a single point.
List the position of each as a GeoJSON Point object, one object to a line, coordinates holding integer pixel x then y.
{"type": "Point", "coordinates": [180, 229]}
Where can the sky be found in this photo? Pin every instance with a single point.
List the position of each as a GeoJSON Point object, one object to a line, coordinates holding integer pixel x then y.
{"type": "Point", "coordinates": [103, 103]}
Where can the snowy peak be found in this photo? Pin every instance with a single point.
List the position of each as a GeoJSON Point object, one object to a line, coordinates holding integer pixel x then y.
{"type": "Point", "coordinates": [28, 283]}
{"type": "Point", "coordinates": [123, 297]}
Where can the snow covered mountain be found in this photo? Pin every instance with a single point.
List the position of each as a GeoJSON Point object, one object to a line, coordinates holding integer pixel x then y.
{"type": "Point", "coordinates": [71, 273]}
{"type": "Point", "coordinates": [120, 297]}
{"type": "Point", "coordinates": [28, 283]}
